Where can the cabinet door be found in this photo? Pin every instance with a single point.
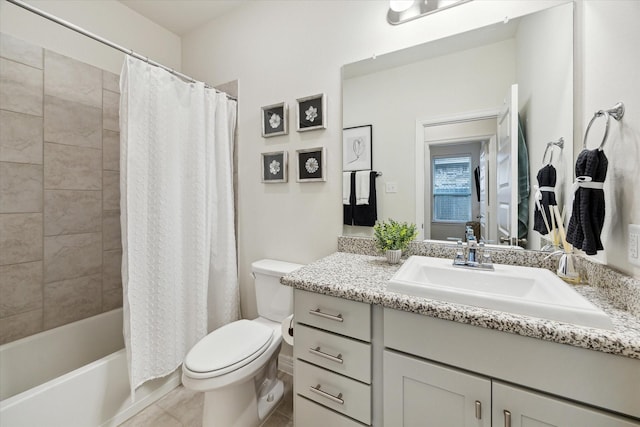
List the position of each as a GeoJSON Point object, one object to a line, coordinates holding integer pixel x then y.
{"type": "Point", "coordinates": [516, 407]}
{"type": "Point", "coordinates": [421, 393]}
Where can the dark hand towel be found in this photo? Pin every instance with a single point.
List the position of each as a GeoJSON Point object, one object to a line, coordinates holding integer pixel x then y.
{"type": "Point", "coordinates": [366, 215]}
{"type": "Point", "coordinates": [587, 217]}
{"type": "Point", "coordinates": [546, 178]}
{"type": "Point", "coordinates": [348, 209]}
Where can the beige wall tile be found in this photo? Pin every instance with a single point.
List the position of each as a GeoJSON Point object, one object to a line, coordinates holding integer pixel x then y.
{"type": "Point", "coordinates": [72, 123]}
{"type": "Point", "coordinates": [73, 255]}
{"type": "Point", "coordinates": [21, 325]}
{"type": "Point", "coordinates": [110, 190]}
{"type": "Point", "coordinates": [110, 81]}
{"type": "Point", "coordinates": [20, 288]}
{"type": "Point", "coordinates": [69, 300]}
{"type": "Point", "coordinates": [111, 234]}
{"type": "Point", "coordinates": [20, 51]}
{"type": "Point", "coordinates": [72, 168]}
{"type": "Point", "coordinates": [111, 270]}
{"type": "Point", "coordinates": [20, 188]}
{"type": "Point", "coordinates": [72, 211]}
{"type": "Point", "coordinates": [20, 138]}
{"type": "Point", "coordinates": [110, 111]}
{"type": "Point", "coordinates": [20, 88]}
{"type": "Point", "coordinates": [20, 238]}
{"type": "Point", "coordinates": [110, 150]}
{"type": "Point", "coordinates": [72, 80]}
{"type": "Point", "coordinates": [111, 299]}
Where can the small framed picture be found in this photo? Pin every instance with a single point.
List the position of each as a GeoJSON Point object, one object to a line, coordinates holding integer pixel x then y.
{"type": "Point", "coordinates": [274, 167]}
{"type": "Point", "coordinates": [312, 113]}
{"type": "Point", "coordinates": [356, 148]}
{"type": "Point", "coordinates": [274, 120]}
{"type": "Point", "coordinates": [311, 164]}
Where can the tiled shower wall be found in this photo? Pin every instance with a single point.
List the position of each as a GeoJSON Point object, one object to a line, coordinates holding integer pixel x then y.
{"type": "Point", "coordinates": [60, 246]}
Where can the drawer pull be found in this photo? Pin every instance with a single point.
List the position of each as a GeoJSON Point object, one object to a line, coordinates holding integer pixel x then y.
{"type": "Point", "coordinates": [331, 397]}
{"type": "Point", "coordinates": [507, 418]}
{"type": "Point", "coordinates": [317, 312]}
{"type": "Point", "coordinates": [317, 352]}
{"type": "Point", "coordinates": [478, 410]}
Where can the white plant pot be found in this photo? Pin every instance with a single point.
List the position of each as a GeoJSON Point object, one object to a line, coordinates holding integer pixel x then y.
{"type": "Point", "coordinates": [393, 255]}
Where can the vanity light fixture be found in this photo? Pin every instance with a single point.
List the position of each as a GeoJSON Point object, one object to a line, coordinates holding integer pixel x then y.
{"type": "Point", "coordinates": [401, 11]}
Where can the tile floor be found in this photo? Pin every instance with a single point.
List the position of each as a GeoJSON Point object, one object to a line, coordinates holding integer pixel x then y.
{"type": "Point", "coordinates": [183, 408]}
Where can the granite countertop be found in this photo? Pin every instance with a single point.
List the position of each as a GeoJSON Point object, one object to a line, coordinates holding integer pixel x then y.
{"type": "Point", "coordinates": [364, 278]}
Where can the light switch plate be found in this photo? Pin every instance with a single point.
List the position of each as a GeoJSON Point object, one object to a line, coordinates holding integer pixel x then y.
{"type": "Point", "coordinates": [634, 244]}
{"type": "Point", "coordinates": [391, 187]}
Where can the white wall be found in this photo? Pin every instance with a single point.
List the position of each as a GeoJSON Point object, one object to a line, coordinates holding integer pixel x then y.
{"type": "Point", "coordinates": [545, 93]}
{"type": "Point", "coordinates": [109, 19]}
{"type": "Point", "coordinates": [282, 50]}
{"type": "Point", "coordinates": [392, 100]}
{"type": "Point", "coordinates": [608, 73]}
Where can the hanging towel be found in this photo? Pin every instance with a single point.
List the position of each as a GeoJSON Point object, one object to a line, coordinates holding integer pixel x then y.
{"type": "Point", "coordinates": [363, 187]}
{"type": "Point", "coordinates": [587, 216]}
{"type": "Point", "coordinates": [350, 179]}
{"type": "Point", "coordinates": [523, 184]}
{"type": "Point", "coordinates": [545, 196]}
{"type": "Point", "coordinates": [366, 215]}
{"type": "Point", "coordinates": [346, 187]}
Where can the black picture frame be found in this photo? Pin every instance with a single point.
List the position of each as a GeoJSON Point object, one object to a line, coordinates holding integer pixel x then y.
{"type": "Point", "coordinates": [312, 113]}
{"type": "Point", "coordinates": [275, 120]}
{"type": "Point", "coordinates": [274, 167]}
{"type": "Point", "coordinates": [311, 164]}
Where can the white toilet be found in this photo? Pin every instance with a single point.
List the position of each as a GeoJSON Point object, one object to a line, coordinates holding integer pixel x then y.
{"type": "Point", "coordinates": [236, 365]}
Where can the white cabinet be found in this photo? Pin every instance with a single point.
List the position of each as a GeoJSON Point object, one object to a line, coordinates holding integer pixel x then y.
{"type": "Point", "coordinates": [517, 407]}
{"type": "Point", "coordinates": [420, 393]}
{"type": "Point", "coordinates": [332, 366]}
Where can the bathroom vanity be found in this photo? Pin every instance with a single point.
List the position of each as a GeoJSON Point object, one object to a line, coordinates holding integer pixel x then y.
{"type": "Point", "coordinates": [367, 356]}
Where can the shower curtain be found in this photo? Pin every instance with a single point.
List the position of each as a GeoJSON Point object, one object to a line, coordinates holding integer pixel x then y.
{"type": "Point", "coordinates": [179, 269]}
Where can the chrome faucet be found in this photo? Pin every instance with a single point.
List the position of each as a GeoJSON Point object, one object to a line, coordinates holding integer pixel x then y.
{"type": "Point", "coordinates": [475, 255]}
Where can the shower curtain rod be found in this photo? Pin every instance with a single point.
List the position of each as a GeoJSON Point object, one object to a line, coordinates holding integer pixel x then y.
{"type": "Point", "coordinates": [104, 41]}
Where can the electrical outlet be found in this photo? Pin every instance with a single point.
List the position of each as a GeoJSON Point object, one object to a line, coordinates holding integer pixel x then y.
{"type": "Point", "coordinates": [391, 187]}
{"type": "Point", "coordinates": [634, 244]}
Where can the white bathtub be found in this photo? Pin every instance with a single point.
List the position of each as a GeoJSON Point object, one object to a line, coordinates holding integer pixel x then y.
{"type": "Point", "coordinates": [74, 375]}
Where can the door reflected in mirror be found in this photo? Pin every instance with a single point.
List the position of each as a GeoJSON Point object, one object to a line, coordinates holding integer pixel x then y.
{"type": "Point", "coordinates": [403, 94]}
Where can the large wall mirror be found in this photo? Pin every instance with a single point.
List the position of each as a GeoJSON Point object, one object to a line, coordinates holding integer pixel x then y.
{"type": "Point", "coordinates": [435, 111]}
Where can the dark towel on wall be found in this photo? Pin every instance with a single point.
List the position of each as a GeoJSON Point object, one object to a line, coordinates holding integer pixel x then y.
{"type": "Point", "coordinates": [587, 216]}
{"type": "Point", "coordinates": [546, 178]}
{"type": "Point", "coordinates": [362, 215]}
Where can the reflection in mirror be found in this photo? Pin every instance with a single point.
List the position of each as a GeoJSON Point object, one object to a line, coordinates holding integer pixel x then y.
{"type": "Point", "coordinates": [409, 96]}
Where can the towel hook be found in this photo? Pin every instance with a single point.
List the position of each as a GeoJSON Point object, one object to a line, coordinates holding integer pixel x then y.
{"type": "Point", "coordinates": [551, 144]}
{"type": "Point", "coordinates": [617, 111]}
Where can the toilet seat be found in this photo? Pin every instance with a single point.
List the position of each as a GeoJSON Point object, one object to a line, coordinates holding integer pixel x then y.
{"type": "Point", "coordinates": [228, 348]}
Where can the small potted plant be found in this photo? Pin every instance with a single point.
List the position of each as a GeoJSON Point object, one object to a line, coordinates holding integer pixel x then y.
{"type": "Point", "coordinates": [393, 237]}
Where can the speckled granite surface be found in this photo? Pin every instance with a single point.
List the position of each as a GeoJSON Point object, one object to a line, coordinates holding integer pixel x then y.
{"type": "Point", "coordinates": [364, 278]}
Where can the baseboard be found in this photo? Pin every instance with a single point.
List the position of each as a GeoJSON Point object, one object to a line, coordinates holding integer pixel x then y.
{"type": "Point", "coordinates": [285, 364]}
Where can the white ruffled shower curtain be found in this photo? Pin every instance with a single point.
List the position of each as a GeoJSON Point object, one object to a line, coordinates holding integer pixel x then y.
{"type": "Point", "coordinates": [179, 269]}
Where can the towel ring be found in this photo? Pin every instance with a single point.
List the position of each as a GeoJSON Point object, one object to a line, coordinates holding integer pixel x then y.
{"type": "Point", "coordinates": [616, 112]}
{"type": "Point", "coordinates": [551, 144]}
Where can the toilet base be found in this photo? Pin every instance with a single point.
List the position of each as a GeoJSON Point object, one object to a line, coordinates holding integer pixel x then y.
{"type": "Point", "coordinates": [238, 406]}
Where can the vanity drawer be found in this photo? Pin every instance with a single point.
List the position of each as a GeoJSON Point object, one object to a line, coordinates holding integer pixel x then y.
{"type": "Point", "coordinates": [310, 414]}
{"type": "Point", "coordinates": [334, 391]}
{"type": "Point", "coordinates": [333, 314]}
{"type": "Point", "coordinates": [335, 352]}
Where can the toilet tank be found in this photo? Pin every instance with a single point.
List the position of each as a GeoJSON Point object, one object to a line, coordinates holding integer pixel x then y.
{"type": "Point", "coordinates": [274, 300]}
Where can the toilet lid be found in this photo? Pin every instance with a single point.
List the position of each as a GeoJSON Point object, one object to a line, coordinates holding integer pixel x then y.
{"type": "Point", "coordinates": [229, 347]}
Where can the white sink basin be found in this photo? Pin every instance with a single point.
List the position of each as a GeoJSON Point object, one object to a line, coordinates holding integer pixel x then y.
{"type": "Point", "coordinates": [521, 290]}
